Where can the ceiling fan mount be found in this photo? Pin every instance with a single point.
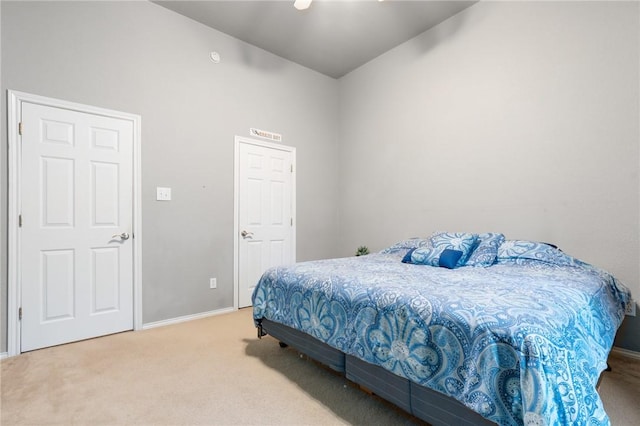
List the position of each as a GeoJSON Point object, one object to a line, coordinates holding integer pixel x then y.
{"type": "Point", "coordinates": [302, 4]}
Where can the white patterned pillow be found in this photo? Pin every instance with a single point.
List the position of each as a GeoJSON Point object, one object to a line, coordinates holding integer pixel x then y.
{"type": "Point", "coordinates": [408, 244]}
{"type": "Point", "coordinates": [520, 251]}
{"type": "Point", "coordinates": [461, 241]}
{"type": "Point", "coordinates": [426, 256]}
{"type": "Point", "coordinates": [441, 241]}
{"type": "Point", "coordinates": [486, 250]}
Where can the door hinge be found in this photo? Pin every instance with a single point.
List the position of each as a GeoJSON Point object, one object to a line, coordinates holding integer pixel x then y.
{"type": "Point", "coordinates": [20, 313]}
{"type": "Point", "coordinates": [20, 128]}
{"type": "Point", "coordinates": [292, 168]}
{"type": "Point", "coordinates": [291, 221]}
{"type": "Point", "coordinates": [19, 221]}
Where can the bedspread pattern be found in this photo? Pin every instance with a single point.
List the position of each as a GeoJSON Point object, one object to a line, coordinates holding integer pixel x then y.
{"type": "Point", "coordinates": [518, 343]}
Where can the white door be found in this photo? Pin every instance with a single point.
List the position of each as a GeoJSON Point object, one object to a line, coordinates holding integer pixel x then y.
{"type": "Point", "coordinates": [76, 262]}
{"type": "Point", "coordinates": [265, 212]}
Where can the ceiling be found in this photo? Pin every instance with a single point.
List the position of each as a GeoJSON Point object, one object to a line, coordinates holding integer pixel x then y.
{"type": "Point", "coordinates": [332, 37]}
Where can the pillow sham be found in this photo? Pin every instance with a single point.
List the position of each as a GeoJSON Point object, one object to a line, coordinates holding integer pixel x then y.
{"type": "Point", "coordinates": [520, 251]}
{"type": "Point", "coordinates": [461, 241]}
{"type": "Point", "coordinates": [409, 243]}
{"type": "Point", "coordinates": [441, 241]}
{"type": "Point", "coordinates": [486, 251]}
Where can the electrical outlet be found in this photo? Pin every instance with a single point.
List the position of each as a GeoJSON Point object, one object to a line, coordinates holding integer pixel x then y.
{"type": "Point", "coordinates": [163, 194]}
{"type": "Point", "coordinates": [631, 308]}
{"type": "Point", "coordinates": [213, 283]}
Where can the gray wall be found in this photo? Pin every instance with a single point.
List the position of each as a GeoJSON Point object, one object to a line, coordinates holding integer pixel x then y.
{"type": "Point", "coordinates": [140, 58]}
{"type": "Point", "coordinates": [516, 117]}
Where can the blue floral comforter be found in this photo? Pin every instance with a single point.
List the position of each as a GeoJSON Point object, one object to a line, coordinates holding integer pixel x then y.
{"type": "Point", "coordinates": [520, 342]}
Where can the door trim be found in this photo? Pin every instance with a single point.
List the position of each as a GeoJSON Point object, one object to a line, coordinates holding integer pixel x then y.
{"type": "Point", "coordinates": [14, 287]}
{"type": "Point", "coordinates": [236, 203]}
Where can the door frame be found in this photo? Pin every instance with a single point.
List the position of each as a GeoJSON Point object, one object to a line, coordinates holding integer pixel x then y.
{"type": "Point", "coordinates": [15, 99]}
{"type": "Point", "coordinates": [236, 203]}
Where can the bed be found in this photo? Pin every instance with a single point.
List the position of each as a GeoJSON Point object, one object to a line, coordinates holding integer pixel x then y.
{"type": "Point", "coordinates": [456, 328]}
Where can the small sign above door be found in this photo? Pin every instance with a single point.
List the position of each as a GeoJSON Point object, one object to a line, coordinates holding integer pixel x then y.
{"type": "Point", "coordinates": [276, 137]}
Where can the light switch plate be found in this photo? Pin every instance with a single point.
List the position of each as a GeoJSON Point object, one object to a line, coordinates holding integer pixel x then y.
{"type": "Point", "coordinates": [163, 194]}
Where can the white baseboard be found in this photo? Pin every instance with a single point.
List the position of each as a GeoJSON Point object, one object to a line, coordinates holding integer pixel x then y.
{"type": "Point", "coordinates": [162, 323]}
{"type": "Point", "coordinates": [187, 318]}
{"type": "Point", "coordinates": [626, 352]}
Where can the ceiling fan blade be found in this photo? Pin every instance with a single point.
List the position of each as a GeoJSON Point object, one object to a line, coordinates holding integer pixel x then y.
{"type": "Point", "coordinates": [302, 4]}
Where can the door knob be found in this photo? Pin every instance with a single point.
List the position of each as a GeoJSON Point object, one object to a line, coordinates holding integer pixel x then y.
{"type": "Point", "coordinates": [123, 236]}
{"type": "Point", "coordinates": [246, 234]}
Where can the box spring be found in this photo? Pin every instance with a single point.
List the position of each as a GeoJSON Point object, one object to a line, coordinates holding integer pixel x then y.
{"type": "Point", "coordinates": [386, 385]}
{"type": "Point", "coordinates": [423, 403]}
{"type": "Point", "coordinates": [439, 409]}
{"type": "Point", "coordinates": [306, 344]}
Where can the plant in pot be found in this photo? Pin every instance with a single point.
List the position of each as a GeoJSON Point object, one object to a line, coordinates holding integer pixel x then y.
{"type": "Point", "coordinates": [362, 250]}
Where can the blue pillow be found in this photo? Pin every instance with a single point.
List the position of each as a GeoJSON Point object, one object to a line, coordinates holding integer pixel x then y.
{"type": "Point", "coordinates": [449, 258]}
{"type": "Point", "coordinates": [461, 241]}
{"type": "Point", "coordinates": [486, 250]}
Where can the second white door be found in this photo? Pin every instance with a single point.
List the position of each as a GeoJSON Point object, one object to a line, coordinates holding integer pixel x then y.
{"type": "Point", "coordinates": [265, 212]}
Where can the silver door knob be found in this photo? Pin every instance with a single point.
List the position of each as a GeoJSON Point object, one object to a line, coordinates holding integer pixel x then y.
{"type": "Point", "coordinates": [123, 236]}
{"type": "Point", "coordinates": [246, 234]}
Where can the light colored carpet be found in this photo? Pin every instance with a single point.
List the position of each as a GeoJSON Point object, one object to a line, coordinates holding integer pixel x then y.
{"type": "Point", "coordinates": [212, 371]}
{"type": "Point", "coordinates": [620, 390]}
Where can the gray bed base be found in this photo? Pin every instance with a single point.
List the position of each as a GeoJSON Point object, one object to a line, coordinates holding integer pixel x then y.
{"type": "Point", "coordinates": [424, 403]}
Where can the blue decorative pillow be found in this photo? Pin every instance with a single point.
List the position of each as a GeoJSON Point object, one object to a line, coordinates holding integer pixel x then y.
{"type": "Point", "coordinates": [449, 258]}
{"type": "Point", "coordinates": [410, 243]}
{"type": "Point", "coordinates": [520, 251]}
{"type": "Point", "coordinates": [461, 241]}
{"type": "Point", "coordinates": [486, 250]}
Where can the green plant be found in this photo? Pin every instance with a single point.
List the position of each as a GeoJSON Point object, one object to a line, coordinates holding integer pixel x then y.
{"type": "Point", "coordinates": [362, 250]}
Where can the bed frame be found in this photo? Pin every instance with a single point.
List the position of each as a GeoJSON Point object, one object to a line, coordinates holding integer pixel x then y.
{"type": "Point", "coordinates": [424, 403]}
